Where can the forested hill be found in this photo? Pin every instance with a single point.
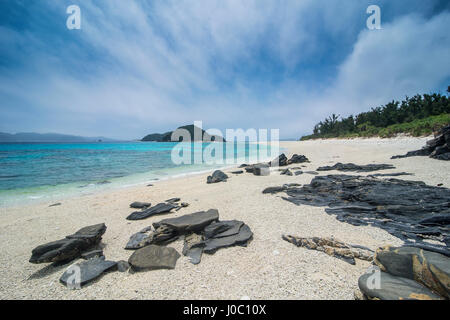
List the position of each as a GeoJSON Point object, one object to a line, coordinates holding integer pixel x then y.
{"type": "Point", "coordinates": [418, 115]}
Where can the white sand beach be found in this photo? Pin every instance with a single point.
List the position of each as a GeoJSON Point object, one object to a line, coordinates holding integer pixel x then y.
{"type": "Point", "coordinates": [268, 268]}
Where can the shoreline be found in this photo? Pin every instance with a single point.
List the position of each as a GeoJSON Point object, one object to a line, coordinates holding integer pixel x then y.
{"type": "Point", "coordinates": [76, 189]}
{"type": "Point", "coordinates": [269, 268]}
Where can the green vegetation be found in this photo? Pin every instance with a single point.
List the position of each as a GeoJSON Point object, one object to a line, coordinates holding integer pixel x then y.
{"type": "Point", "coordinates": [417, 116]}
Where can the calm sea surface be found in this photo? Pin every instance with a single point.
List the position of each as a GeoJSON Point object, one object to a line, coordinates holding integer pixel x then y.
{"type": "Point", "coordinates": [48, 171]}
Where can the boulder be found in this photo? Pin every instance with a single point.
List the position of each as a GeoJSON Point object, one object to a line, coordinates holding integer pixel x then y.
{"type": "Point", "coordinates": [154, 257]}
{"type": "Point", "coordinates": [140, 205]}
{"type": "Point", "coordinates": [158, 209]}
{"type": "Point", "coordinates": [217, 176]}
{"type": "Point", "coordinates": [70, 247]}
{"type": "Point", "coordinates": [80, 274]}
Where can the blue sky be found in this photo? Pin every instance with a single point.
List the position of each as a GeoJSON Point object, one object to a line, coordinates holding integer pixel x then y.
{"type": "Point", "coordinates": [138, 67]}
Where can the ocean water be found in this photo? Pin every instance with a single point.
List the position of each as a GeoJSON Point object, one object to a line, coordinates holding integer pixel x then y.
{"type": "Point", "coordinates": [51, 171]}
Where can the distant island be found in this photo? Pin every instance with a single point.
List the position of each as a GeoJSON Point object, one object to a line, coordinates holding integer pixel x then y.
{"type": "Point", "coordinates": [167, 137]}
{"type": "Point", "coordinates": [48, 137]}
{"type": "Point", "coordinates": [418, 116]}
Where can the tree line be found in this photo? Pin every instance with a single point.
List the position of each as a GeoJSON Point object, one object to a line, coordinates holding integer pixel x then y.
{"type": "Point", "coordinates": [395, 112]}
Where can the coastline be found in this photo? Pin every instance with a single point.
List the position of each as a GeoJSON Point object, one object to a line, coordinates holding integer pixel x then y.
{"type": "Point", "coordinates": [269, 268]}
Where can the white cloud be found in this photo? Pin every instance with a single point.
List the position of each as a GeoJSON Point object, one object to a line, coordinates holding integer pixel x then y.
{"type": "Point", "coordinates": [174, 62]}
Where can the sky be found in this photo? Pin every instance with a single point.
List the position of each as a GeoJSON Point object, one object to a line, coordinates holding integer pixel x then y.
{"type": "Point", "coordinates": [137, 67]}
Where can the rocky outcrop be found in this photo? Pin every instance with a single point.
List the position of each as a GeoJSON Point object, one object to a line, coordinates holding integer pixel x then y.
{"type": "Point", "coordinates": [332, 247]}
{"type": "Point", "coordinates": [70, 247]}
{"type": "Point", "coordinates": [217, 176]}
{"type": "Point", "coordinates": [160, 208]}
{"type": "Point", "coordinates": [80, 274]}
{"type": "Point", "coordinates": [347, 167]}
{"type": "Point", "coordinates": [153, 257]}
{"type": "Point", "coordinates": [407, 273]}
{"type": "Point", "coordinates": [403, 208]}
{"type": "Point", "coordinates": [437, 148]}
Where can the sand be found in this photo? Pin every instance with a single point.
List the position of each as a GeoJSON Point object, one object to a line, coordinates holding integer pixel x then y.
{"type": "Point", "coordinates": [269, 268]}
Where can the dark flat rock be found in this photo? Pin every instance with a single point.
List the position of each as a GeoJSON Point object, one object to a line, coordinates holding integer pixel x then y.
{"type": "Point", "coordinates": [69, 248]}
{"type": "Point", "coordinates": [273, 190]}
{"type": "Point", "coordinates": [241, 238]}
{"type": "Point", "coordinates": [346, 167]}
{"type": "Point", "coordinates": [394, 174]}
{"type": "Point", "coordinates": [160, 208]}
{"type": "Point", "coordinates": [193, 247]}
{"type": "Point", "coordinates": [140, 205]}
{"type": "Point", "coordinates": [298, 159]}
{"type": "Point", "coordinates": [237, 172]}
{"type": "Point", "coordinates": [193, 222]}
{"type": "Point", "coordinates": [287, 172]}
{"type": "Point", "coordinates": [55, 204]}
{"type": "Point", "coordinates": [217, 176]}
{"type": "Point", "coordinates": [172, 200]}
{"type": "Point", "coordinates": [222, 229]}
{"type": "Point", "coordinates": [394, 288]}
{"type": "Point", "coordinates": [81, 273]}
{"type": "Point", "coordinates": [154, 257]}
{"type": "Point", "coordinates": [139, 240]}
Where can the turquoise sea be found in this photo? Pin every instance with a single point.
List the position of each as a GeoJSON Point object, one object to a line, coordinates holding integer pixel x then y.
{"type": "Point", "coordinates": [52, 171]}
